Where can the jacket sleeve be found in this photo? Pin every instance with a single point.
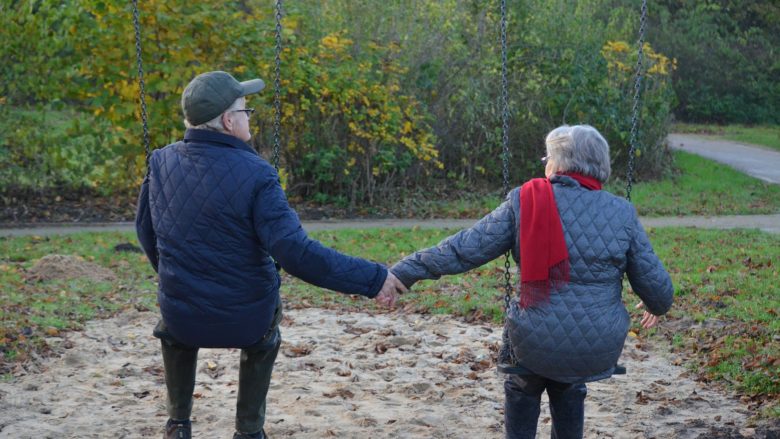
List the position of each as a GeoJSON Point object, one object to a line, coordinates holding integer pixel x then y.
{"type": "Point", "coordinates": [279, 230]}
{"type": "Point", "coordinates": [486, 240]}
{"type": "Point", "coordinates": [647, 275]}
{"type": "Point", "coordinates": [143, 225]}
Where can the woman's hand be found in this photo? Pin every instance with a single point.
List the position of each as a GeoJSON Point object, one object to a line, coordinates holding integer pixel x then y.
{"type": "Point", "coordinates": [648, 320]}
{"type": "Point", "coordinates": [391, 290]}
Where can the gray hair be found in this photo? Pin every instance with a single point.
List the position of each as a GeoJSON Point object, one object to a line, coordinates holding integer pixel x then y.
{"type": "Point", "coordinates": [216, 123]}
{"type": "Point", "coordinates": [581, 149]}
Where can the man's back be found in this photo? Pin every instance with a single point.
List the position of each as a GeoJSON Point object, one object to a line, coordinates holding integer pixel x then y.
{"type": "Point", "coordinates": [211, 263]}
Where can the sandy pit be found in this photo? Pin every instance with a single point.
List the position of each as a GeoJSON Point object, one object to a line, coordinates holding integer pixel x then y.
{"type": "Point", "coordinates": [346, 375]}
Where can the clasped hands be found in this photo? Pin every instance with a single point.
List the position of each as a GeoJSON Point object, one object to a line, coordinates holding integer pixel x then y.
{"type": "Point", "coordinates": [391, 291]}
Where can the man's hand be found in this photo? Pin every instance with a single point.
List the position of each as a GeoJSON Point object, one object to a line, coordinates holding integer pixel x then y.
{"type": "Point", "coordinates": [391, 290]}
{"type": "Point", "coordinates": [648, 320]}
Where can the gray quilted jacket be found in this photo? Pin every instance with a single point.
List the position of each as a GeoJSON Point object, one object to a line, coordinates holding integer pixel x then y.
{"type": "Point", "coordinates": [578, 336]}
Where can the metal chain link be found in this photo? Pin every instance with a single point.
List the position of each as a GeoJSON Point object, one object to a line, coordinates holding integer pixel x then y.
{"type": "Point", "coordinates": [637, 96]}
{"type": "Point", "coordinates": [142, 84]}
{"type": "Point", "coordinates": [506, 354]}
{"type": "Point", "coordinates": [278, 87]}
{"type": "Point", "coordinates": [505, 141]}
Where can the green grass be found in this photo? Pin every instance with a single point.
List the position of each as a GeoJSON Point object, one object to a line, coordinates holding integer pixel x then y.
{"type": "Point", "coordinates": [767, 135]}
{"type": "Point", "coordinates": [730, 282]}
{"type": "Point", "coordinates": [724, 321]}
{"type": "Point", "coordinates": [702, 187]}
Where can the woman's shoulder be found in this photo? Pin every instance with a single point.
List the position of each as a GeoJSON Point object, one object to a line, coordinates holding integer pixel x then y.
{"type": "Point", "coordinates": [612, 203]}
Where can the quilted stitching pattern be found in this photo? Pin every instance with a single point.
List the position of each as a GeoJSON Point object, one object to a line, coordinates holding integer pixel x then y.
{"type": "Point", "coordinates": [489, 238]}
{"type": "Point", "coordinates": [579, 335]}
{"type": "Point", "coordinates": [215, 213]}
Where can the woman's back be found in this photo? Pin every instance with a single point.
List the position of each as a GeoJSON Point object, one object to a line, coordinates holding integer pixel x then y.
{"type": "Point", "coordinates": [579, 334]}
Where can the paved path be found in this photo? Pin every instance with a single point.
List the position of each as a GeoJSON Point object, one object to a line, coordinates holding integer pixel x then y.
{"type": "Point", "coordinates": [767, 223]}
{"type": "Point", "coordinates": [753, 160]}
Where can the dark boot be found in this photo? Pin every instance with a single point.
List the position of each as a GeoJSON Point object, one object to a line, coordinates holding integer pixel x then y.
{"type": "Point", "coordinates": [180, 368]}
{"type": "Point", "coordinates": [254, 379]}
{"type": "Point", "coordinates": [178, 430]}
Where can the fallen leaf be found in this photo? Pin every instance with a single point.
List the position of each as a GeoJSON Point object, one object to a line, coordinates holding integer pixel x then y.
{"type": "Point", "coordinates": [297, 351]}
{"type": "Point", "coordinates": [380, 348]}
{"type": "Point", "coordinates": [344, 393]}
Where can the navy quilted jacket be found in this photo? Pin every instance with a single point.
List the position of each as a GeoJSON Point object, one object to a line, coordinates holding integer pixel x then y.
{"type": "Point", "coordinates": [578, 336]}
{"type": "Point", "coordinates": [211, 216]}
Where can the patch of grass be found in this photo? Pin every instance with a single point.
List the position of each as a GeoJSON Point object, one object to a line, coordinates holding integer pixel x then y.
{"type": "Point", "coordinates": [702, 187]}
{"type": "Point", "coordinates": [725, 316]}
{"type": "Point", "coordinates": [763, 135]}
{"type": "Point", "coordinates": [723, 324]}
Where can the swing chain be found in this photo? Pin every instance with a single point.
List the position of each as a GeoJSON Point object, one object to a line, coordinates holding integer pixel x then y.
{"type": "Point", "coordinates": [506, 355]}
{"type": "Point", "coordinates": [505, 141]}
{"type": "Point", "coordinates": [277, 86]}
{"type": "Point", "coordinates": [142, 84]}
{"type": "Point", "coordinates": [637, 95]}
{"type": "Point", "coordinates": [504, 100]}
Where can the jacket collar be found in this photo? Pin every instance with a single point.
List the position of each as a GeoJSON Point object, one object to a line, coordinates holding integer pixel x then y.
{"type": "Point", "coordinates": [206, 136]}
{"type": "Point", "coordinates": [564, 180]}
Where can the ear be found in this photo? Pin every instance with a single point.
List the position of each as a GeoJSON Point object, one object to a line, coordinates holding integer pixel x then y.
{"type": "Point", "coordinates": [227, 121]}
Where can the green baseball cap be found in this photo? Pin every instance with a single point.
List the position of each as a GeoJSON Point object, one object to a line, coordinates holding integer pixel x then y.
{"type": "Point", "coordinates": [209, 94]}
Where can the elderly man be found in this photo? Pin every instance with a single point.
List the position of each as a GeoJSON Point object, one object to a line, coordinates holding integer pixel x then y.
{"type": "Point", "coordinates": [573, 243]}
{"type": "Point", "coordinates": [214, 222]}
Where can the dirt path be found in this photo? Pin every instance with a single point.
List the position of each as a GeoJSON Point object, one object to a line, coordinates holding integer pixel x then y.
{"type": "Point", "coordinates": [365, 376]}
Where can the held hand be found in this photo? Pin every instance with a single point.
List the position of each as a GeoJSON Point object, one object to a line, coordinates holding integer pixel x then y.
{"type": "Point", "coordinates": [390, 291]}
{"type": "Point", "coordinates": [648, 320]}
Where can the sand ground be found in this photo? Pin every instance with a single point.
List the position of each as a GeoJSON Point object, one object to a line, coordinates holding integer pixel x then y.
{"type": "Point", "coordinates": [339, 374]}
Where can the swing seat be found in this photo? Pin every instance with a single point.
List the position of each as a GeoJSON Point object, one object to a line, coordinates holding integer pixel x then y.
{"type": "Point", "coordinates": [511, 369]}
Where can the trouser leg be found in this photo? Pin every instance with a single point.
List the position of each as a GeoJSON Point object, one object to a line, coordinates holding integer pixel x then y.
{"type": "Point", "coordinates": [180, 364]}
{"type": "Point", "coordinates": [521, 405]}
{"type": "Point", "coordinates": [567, 408]}
{"type": "Point", "coordinates": [254, 378]}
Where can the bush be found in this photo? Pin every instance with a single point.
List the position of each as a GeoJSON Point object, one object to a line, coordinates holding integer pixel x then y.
{"type": "Point", "coordinates": [379, 99]}
{"type": "Point", "coordinates": [726, 52]}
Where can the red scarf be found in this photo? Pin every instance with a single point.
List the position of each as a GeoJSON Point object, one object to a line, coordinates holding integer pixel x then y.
{"type": "Point", "coordinates": [544, 258]}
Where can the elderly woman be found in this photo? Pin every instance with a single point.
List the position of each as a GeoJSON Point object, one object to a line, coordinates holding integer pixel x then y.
{"type": "Point", "coordinates": [573, 242]}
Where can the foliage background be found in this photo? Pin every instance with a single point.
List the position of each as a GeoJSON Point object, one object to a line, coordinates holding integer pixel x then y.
{"type": "Point", "coordinates": [381, 100]}
{"type": "Point", "coordinates": [728, 65]}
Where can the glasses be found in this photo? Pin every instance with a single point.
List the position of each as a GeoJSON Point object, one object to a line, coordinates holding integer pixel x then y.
{"type": "Point", "coordinates": [545, 159]}
{"type": "Point", "coordinates": [248, 111]}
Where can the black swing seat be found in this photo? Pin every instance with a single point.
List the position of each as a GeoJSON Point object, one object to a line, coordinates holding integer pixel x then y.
{"type": "Point", "coordinates": [510, 369]}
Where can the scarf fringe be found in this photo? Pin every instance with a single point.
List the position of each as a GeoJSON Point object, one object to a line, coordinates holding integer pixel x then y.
{"type": "Point", "coordinates": [535, 293]}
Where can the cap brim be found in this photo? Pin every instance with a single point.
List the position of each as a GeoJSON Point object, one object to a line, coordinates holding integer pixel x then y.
{"type": "Point", "coordinates": [252, 86]}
